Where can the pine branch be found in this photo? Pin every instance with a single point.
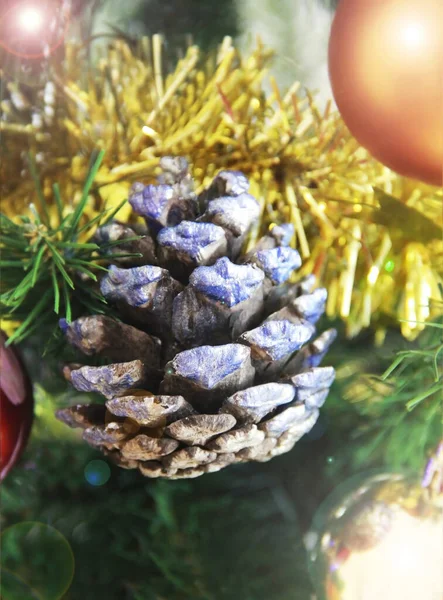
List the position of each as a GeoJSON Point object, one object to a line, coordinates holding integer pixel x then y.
{"type": "Point", "coordinates": [47, 256]}
{"type": "Point", "coordinates": [403, 407]}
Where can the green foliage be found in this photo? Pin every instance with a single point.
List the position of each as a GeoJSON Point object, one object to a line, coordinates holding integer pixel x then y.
{"type": "Point", "coordinates": [403, 407]}
{"type": "Point", "coordinates": [220, 538]}
{"type": "Point", "coordinates": [47, 268]}
{"type": "Point", "coordinates": [46, 549]}
{"type": "Point", "coordinates": [232, 535]}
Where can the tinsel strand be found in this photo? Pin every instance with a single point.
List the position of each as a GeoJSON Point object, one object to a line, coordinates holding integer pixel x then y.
{"type": "Point", "coordinates": [302, 163]}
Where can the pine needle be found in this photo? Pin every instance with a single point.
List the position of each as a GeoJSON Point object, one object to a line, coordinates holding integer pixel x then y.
{"type": "Point", "coordinates": [31, 319]}
{"type": "Point", "coordinates": [86, 189]}
{"type": "Point", "coordinates": [68, 309]}
{"type": "Point", "coordinates": [56, 291]}
{"type": "Point", "coordinates": [36, 267]}
{"type": "Point", "coordinates": [114, 212]}
{"type": "Point", "coordinates": [404, 420]}
{"type": "Point", "coordinates": [45, 261]}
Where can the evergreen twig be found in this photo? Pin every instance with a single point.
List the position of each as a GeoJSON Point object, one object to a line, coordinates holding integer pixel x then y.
{"type": "Point", "coordinates": [44, 257]}
{"type": "Point", "coordinates": [403, 407]}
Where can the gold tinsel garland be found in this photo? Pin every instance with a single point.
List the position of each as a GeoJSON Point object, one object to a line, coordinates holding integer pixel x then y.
{"type": "Point", "coordinates": [379, 252]}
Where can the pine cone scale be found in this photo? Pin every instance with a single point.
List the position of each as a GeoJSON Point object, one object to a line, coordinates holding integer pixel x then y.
{"type": "Point", "coordinates": [199, 429]}
{"type": "Point", "coordinates": [150, 410]}
{"type": "Point", "coordinates": [145, 448]}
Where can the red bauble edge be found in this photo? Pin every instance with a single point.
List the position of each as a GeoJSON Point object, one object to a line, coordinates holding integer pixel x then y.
{"type": "Point", "coordinates": [15, 424]}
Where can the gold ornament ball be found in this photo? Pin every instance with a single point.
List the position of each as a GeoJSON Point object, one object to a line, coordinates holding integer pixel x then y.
{"type": "Point", "coordinates": [386, 71]}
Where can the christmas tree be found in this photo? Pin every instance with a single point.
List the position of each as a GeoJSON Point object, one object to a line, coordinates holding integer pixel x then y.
{"type": "Point", "coordinates": [174, 225]}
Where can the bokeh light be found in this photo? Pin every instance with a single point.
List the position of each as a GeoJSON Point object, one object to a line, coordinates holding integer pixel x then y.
{"type": "Point", "coordinates": [33, 29]}
{"type": "Point", "coordinates": [97, 472]}
{"type": "Point", "coordinates": [389, 266]}
{"type": "Point", "coordinates": [37, 562]}
{"type": "Point", "coordinates": [30, 19]}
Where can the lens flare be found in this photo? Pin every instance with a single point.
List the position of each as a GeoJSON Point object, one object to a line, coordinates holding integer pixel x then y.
{"type": "Point", "coordinates": [33, 29]}
{"type": "Point", "coordinates": [413, 36]}
{"type": "Point", "coordinates": [30, 19]}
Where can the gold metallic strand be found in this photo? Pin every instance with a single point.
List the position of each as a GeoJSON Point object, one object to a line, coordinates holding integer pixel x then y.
{"type": "Point", "coordinates": [379, 256]}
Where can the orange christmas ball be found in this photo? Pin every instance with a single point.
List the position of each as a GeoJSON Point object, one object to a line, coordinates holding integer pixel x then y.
{"type": "Point", "coordinates": [386, 70]}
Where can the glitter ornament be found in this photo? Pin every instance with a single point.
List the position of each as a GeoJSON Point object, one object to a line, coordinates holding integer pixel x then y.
{"type": "Point", "coordinates": [380, 537]}
{"type": "Point", "coordinates": [385, 64]}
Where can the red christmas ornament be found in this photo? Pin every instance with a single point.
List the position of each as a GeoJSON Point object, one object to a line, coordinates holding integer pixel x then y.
{"type": "Point", "coordinates": [386, 70]}
{"type": "Point", "coordinates": [16, 407]}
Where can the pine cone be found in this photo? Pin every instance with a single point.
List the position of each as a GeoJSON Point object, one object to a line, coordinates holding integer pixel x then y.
{"type": "Point", "coordinates": [223, 347]}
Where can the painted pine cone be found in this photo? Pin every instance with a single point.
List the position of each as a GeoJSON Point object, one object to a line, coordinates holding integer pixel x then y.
{"type": "Point", "coordinates": [222, 341]}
